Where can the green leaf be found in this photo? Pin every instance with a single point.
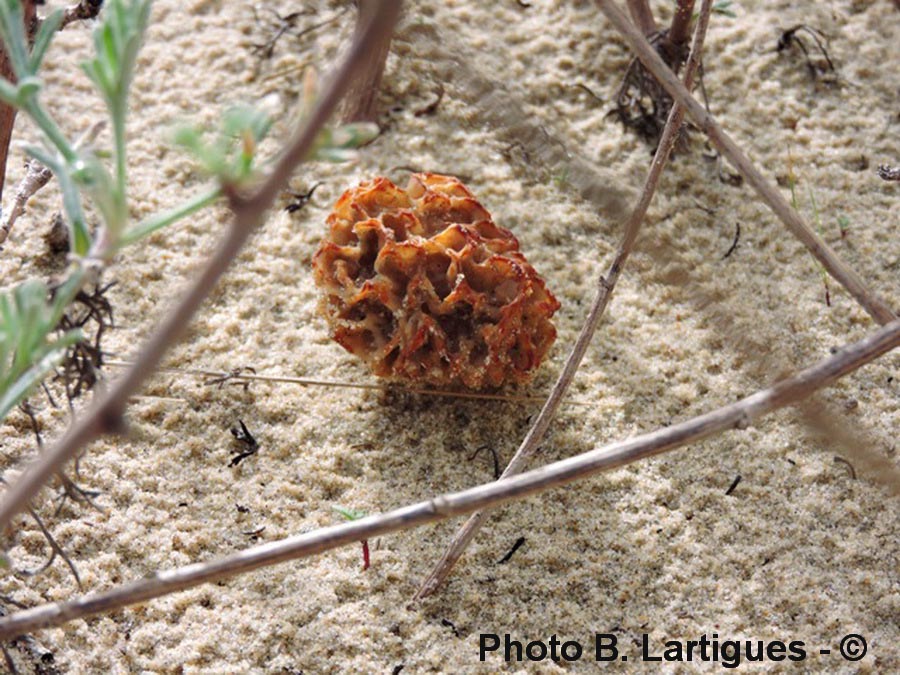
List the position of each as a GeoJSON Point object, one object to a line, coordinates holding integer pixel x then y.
{"type": "Point", "coordinates": [12, 31]}
{"type": "Point", "coordinates": [27, 353]}
{"type": "Point", "coordinates": [44, 37]}
{"type": "Point", "coordinates": [349, 514]}
{"type": "Point", "coordinates": [79, 235]}
{"type": "Point", "coordinates": [340, 144]}
{"type": "Point", "coordinates": [151, 225]}
{"type": "Point", "coordinates": [9, 93]}
{"type": "Point", "coordinates": [28, 86]}
{"type": "Point", "coordinates": [230, 153]}
{"type": "Point", "coordinates": [28, 380]}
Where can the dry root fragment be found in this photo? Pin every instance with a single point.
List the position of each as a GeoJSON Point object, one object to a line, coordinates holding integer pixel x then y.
{"type": "Point", "coordinates": [422, 285]}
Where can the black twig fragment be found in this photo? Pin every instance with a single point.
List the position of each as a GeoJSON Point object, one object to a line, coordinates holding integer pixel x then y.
{"type": "Point", "coordinates": [493, 454]}
{"type": "Point", "coordinates": [734, 244]}
{"type": "Point", "coordinates": [301, 199]}
{"type": "Point", "coordinates": [449, 624]}
{"type": "Point", "coordinates": [515, 547]}
{"type": "Point", "coordinates": [734, 484]}
{"type": "Point", "coordinates": [887, 172]}
{"type": "Point", "coordinates": [589, 91]}
{"type": "Point", "coordinates": [840, 460]}
{"type": "Point", "coordinates": [243, 436]}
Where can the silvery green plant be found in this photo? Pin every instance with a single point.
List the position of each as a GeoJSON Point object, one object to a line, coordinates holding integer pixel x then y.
{"type": "Point", "coordinates": [31, 345]}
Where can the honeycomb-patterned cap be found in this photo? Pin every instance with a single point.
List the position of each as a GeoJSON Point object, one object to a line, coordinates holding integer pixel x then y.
{"type": "Point", "coordinates": [424, 287]}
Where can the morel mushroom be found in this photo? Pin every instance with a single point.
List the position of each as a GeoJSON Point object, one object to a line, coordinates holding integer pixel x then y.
{"type": "Point", "coordinates": [423, 286]}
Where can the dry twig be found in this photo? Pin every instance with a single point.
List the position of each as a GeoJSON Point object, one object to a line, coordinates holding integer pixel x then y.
{"type": "Point", "coordinates": [105, 415]}
{"type": "Point", "coordinates": [36, 176]}
{"type": "Point", "coordinates": [642, 15]}
{"type": "Point", "coordinates": [738, 415]}
{"type": "Point", "coordinates": [535, 435]}
{"type": "Point", "coordinates": [846, 276]}
{"type": "Point", "coordinates": [359, 104]}
{"type": "Point", "coordinates": [81, 11]}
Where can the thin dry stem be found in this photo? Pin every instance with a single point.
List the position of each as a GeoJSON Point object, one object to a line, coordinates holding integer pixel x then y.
{"type": "Point", "coordinates": [737, 415]}
{"type": "Point", "coordinates": [847, 277]}
{"type": "Point", "coordinates": [642, 15]}
{"type": "Point", "coordinates": [680, 29]}
{"type": "Point", "coordinates": [359, 104]}
{"type": "Point", "coordinates": [36, 176]}
{"type": "Point", "coordinates": [606, 285]}
{"type": "Point", "coordinates": [238, 376]}
{"type": "Point", "coordinates": [8, 112]}
{"type": "Point", "coordinates": [81, 11]}
{"type": "Point", "coordinates": [105, 415]}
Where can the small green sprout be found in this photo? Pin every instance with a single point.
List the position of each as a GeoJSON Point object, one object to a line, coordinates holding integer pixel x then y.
{"type": "Point", "coordinates": [844, 225]}
{"type": "Point", "coordinates": [27, 354]}
{"type": "Point", "coordinates": [351, 514]}
{"type": "Point", "coordinates": [722, 7]}
{"type": "Point", "coordinates": [340, 144]}
{"type": "Point", "coordinates": [229, 155]}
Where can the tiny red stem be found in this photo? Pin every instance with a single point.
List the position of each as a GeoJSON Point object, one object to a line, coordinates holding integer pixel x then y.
{"type": "Point", "coordinates": [366, 559]}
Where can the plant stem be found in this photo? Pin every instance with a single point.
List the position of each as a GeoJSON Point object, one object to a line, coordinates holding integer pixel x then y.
{"type": "Point", "coordinates": [359, 104]}
{"type": "Point", "coordinates": [105, 414]}
{"type": "Point", "coordinates": [738, 415]}
{"type": "Point", "coordinates": [606, 285]}
{"type": "Point", "coordinates": [680, 29]}
{"type": "Point", "coordinates": [847, 277]}
{"type": "Point", "coordinates": [54, 134]}
{"type": "Point", "coordinates": [121, 203]}
{"type": "Point", "coordinates": [161, 220]}
{"type": "Point", "coordinates": [642, 15]}
{"type": "Point", "coordinates": [8, 112]}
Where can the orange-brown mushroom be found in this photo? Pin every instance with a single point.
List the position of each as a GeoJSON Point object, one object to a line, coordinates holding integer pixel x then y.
{"type": "Point", "coordinates": [422, 285]}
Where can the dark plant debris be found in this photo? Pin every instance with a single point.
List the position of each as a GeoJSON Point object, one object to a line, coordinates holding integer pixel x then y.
{"type": "Point", "coordinates": [641, 102]}
{"type": "Point", "coordinates": [840, 460]}
{"type": "Point", "coordinates": [243, 436]}
{"type": "Point", "coordinates": [819, 69]}
{"type": "Point", "coordinates": [589, 91]}
{"type": "Point", "coordinates": [287, 24]}
{"type": "Point", "coordinates": [515, 547]}
{"type": "Point", "coordinates": [92, 312]}
{"type": "Point", "coordinates": [493, 455]}
{"type": "Point", "coordinates": [733, 486]}
{"type": "Point", "coordinates": [734, 244]}
{"type": "Point", "coordinates": [300, 199]}
{"type": "Point", "coordinates": [887, 172]}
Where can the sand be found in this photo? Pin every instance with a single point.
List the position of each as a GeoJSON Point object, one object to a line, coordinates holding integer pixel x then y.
{"type": "Point", "coordinates": [798, 550]}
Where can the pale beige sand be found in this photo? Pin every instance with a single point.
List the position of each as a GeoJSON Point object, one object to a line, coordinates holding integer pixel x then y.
{"type": "Point", "coordinates": [799, 550]}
